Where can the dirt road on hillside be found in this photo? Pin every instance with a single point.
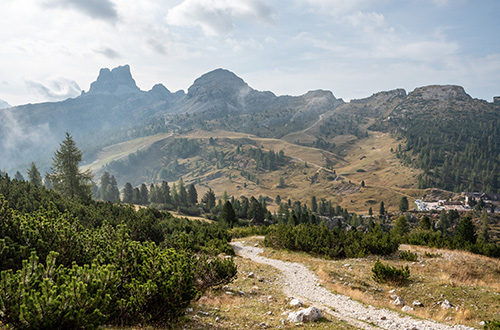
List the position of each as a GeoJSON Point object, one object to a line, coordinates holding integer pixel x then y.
{"type": "Point", "coordinates": [301, 282]}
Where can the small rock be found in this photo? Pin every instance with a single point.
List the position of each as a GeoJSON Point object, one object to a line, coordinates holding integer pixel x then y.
{"type": "Point", "coordinates": [255, 245]}
{"type": "Point", "coordinates": [217, 319]}
{"type": "Point", "coordinates": [310, 314]}
{"type": "Point", "coordinates": [446, 304]}
{"type": "Point", "coordinates": [260, 279]}
{"type": "Point", "coordinates": [394, 296]}
{"type": "Point", "coordinates": [251, 275]}
{"type": "Point", "coordinates": [449, 318]}
{"type": "Point", "coordinates": [398, 302]}
{"type": "Point", "coordinates": [296, 303]}
{"type": "Point", "coordinates": [229, 293]}
{"type": "Point", "coordinates": [417, 303]}
{"type": "Point", "coordinates": [482, 323]}
{"type": "Point", "coordinates": [392, 291]}
{"type": "Point", "coordinates": [241, 293]}
{"type": "Point", "coordinates": [189, 310]}
{"type": "Point", "coordinates": [383, 318]}
{"type": "Point", "coordinates": [347, 265]}
{"type": "Point", "coordinates": [407, 309]}
{"type": "Point", "coordinates": [203, 313]}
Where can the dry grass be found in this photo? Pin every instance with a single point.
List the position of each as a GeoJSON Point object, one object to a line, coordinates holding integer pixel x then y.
{"type": "Point", "coordinates": [385, 178]}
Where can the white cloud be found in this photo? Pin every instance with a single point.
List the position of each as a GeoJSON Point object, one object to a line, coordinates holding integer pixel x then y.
{"type": "Point", "coordinates": [54, 90]}
{"type": "Point", "coordinates": [218, 17]}
{"type": "Point", "coordinates": [99, 9]}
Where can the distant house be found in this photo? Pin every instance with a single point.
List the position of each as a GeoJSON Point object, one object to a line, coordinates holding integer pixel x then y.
{"type": "Point", "coordinates": [491, 200]}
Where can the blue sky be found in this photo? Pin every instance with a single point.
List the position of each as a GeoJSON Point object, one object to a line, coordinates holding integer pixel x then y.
{"type": "Point", "coordinates": [53, 49]}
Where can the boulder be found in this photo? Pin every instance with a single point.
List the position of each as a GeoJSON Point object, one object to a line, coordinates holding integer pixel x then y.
{"type": "Point", "coordinates": [446, 304]}
{"type": "Point", "coordinates": [310, 314]}
{"type": "Point", "coordinates": [407, 309]}
{"type": "Point", "coordinates": [296, 303]}
{"type": "Point", "coordinates": [418, 303]}
{"type": "Point", "coordinates": [398, 302]}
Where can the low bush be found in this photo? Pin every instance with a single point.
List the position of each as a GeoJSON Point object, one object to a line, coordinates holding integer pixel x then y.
{"type": "Point", "coordinates": [408, 256]}
{"type": "Point", "coordinates": [492, 325]}
{"type": "Point", "coordinates": [385, 273]}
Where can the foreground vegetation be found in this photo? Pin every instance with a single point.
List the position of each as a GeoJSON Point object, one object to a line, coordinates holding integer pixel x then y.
{"type": "Point", "coordinates": [69, 264]}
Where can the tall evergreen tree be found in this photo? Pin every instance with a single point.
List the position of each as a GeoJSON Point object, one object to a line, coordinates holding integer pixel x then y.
{"type": "Point", "coordinates": [403, 204]}
{"type": "Point", "coordinates": [465, 232]}
{"type": "Point", "coordinates": [165, 192]}
{"type": "Point", "coordinates": [144, 194]}
{"type": "Point", "coordinates": [105, 183]}
{"type": "Point", "coordinates": [183, 197]}
{"type": "Point", "coordinates": [314, 204]}
{"type": "Point", "coordinates": [228, 216]}
{"type": "Point", "coordinates": [128, 193]}
{"type": "Point", "coordinates": [34, 175]}
{"type": "Point", "coordinates": [209, 199]}
{"type": "Point", "coordinates": [65, 175]}
{"type": "Point", "coordinates": [192, 195]}
{"type": "Point", "coordinates": [382, 209]}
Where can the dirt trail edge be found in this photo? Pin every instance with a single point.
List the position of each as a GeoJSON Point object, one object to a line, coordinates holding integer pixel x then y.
{"type": "Point", "coordinates": [302, 283]}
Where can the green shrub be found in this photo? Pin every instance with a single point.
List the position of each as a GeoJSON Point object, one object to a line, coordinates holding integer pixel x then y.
{"type": "Point", "coordinates": [408, 256]}
{"type": "Point", "coordinates": [48, 296]}
{"type": "Point", "coordinates": [385, 273]}
{"type": "Point", "coordinates": [492, 325]}
{"type": "Point", "coordinates": [432, 255]}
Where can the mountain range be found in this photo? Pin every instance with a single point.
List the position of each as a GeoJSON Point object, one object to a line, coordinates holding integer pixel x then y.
{"type": "Point", "coordinates": [115, 110]}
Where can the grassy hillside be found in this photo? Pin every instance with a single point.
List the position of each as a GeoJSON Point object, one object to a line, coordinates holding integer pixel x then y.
{"type": "Point", "coordinates": [307, 171]}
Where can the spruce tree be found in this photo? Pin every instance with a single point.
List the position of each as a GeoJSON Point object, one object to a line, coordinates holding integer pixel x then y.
{"type": "Point", "coordinates": [403, 204]}
{"type": "Point", "coordinates": [128, 193]}
{"type": "Point", "coordinates": [34, 175]}
{"type": "Point", "coordinates": [228, 216]}
{"type": "Point", "coordinates": [192, 195]}
{"type": "Point", "coordinates": [484, 236]}
{"type": "Point", "coordinates": [65, 175]}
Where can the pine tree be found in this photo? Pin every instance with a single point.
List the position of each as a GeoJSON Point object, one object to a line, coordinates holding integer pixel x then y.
{"type": "Point", "coordinates": [403, 204]}
{"type": "Point", "coordinates": [128, 193]}
{"type": "Point", "coordinates": [105, 183]}
{"type": "Point", "coordinates": [144, 194]}
{"type": "Point", "coordinates": [401, 227]}
{"type": "Point", "coordinates": [209, 199]}
{"type": "Point", "coordinates": [65, 175]}
{"type": "Point", "coordinates": [228, 216]}
{"type": "Point", "coordinates": [183, 199]}
{"type": "Point", "coordinates": [465, 232]}
{"type": "Point", "coordinates": [382, 209]}
{"type": "Point", "coordinates": [192, 195]}
{"type": "Point", "coordinates": [314, 204]}
{"type": "Point", "coordinates": [165, 192]}
{"type": "Point", "coordinates": [34, 175]}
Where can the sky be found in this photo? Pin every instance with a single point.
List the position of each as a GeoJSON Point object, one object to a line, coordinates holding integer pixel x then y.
{"type": "Point", "coordinates": [53, 49]}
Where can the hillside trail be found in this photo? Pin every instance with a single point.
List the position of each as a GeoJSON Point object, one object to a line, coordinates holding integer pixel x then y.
{"type": "Point", "coordinates": [300, 282]}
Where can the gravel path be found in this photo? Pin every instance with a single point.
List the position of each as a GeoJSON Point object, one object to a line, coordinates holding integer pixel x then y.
{"type": "Point", "coordinates": [301, 282]}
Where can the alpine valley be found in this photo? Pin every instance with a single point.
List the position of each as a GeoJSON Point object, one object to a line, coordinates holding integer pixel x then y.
{"type": "Point", "coordinates": [224, 135]}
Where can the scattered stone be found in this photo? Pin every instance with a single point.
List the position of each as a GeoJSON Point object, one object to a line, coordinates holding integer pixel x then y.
{"type": "Point", "coordinates": [418, 303]}
{"type": "Point", "coordinates": [392, 291]}
{"type": "Point", "coordinates": [398, 302]}
{"type": "Point", "coordinates": [310, 314]}
{"type": "Point", "coordinates": [260, 279]}
{"type": "Point", "coordinates": [255, 245]}
{"type": "Point", "coordinates": [251, 275]}
{"type": "Point", "coordinates": [394, 296]}
{"type": "Point", "coordinates": [189, 310]}
{"type": "Point", "coordinates": [383, 318]}
{"type": "Point", "coordinates": [203, 313]}
{"type": "Point", "coordinates": [263, 324]}
{"type": "Point", "coordinates": [347, 265]}
{"type": "Point", "coordinates": [449, 318]}
{"type": "Point", "coordinates": [482, 323]}
{"type": "Point", "coordinates": [241, 293]}
{"type": "Point", "coordinates": [446, 304]}
{"type": "Point", "coordinates": [217, 319]}
{"type": "Point", "coordinates": [282, 321]}
{"type": "Point", "coordinates": [230, 293]}
{"type": "Point", "coordinates": [296, 303]}
{"type": "Point", "coordinates": [407, 309]}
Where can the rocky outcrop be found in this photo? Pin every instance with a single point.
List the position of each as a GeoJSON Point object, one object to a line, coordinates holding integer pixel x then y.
{"type": "Point", "coordinates": [440, 93]}
{"type": "Point", "coordinates": [118, 81]}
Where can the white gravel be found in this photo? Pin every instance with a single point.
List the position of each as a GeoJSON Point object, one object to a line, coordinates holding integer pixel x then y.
{"type": "Point", "coordinates": [301, 282]}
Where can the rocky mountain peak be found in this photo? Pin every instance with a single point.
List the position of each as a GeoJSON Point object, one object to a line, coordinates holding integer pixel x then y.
{"type": "Point", "coordinates": [118, 81]}
{"type": "Point", "coordinates": [440, 93]}
{"type": "Point", "coordinates": [217, 83]}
